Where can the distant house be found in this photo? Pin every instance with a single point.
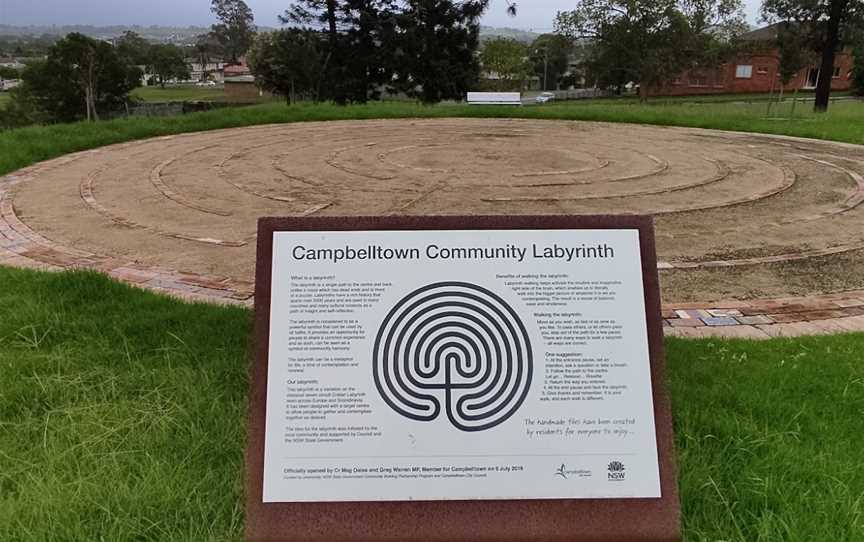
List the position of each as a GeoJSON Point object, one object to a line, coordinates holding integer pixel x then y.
{"type": "Point", "coordinates": [212, 71]}
{"type": "Point", "coordinates": [235, 70]}
{"type": "Point", "coordinates": [9, 62]}
{"type": "Point", "coordinates": [755, 72]}
{"type": "Point", "coordinates": [240, 85]}
{"type": "Point", "coordinates": [8, 84]}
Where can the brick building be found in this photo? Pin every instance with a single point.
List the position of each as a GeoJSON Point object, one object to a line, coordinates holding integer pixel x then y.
{"type": "Point", "coordinates": [755, 72]}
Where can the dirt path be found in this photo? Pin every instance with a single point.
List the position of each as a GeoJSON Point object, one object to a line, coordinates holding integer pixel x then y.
{"type": "Point", "coordinates": [738, 216]}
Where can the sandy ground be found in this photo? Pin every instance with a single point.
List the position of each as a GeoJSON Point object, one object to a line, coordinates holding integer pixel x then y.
{"type": "Point", "coordinates": [739, 202]}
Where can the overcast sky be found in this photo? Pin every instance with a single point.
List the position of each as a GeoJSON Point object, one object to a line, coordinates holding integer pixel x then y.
{"type": "Point", "coordinates": [534, 15]}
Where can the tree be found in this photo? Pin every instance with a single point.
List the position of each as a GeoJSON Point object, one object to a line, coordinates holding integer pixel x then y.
{"type": "Point", "coordinates": [795, 51]}
{"type": "Point", "coordinates": [826, 21]}
{"type": "Point", "coordinates": [288, 62]}
{"type": "Point", "coordinates": [167, 62]}
{"type": "Point", "coordinates": [9, 73]}
{"type": "Point", "coordinates": [357, 60]}
{"type": "Point", "coordinates": [550, 58]}
{"type": "Point", "coordinates": [80, 77]}
{"type": "Point", "coordinates": [648, 41]}
{"type": "Point", "coordinates": [133, 49]}
{"type": "Point", "coordinates": [858, 70]}
{"type": "Point", "coordinates": [373, 44]}
{"type": "Point", "coordinates": [236, 28]}
{"type": "Point", "coordinates": [19, 111]}
{"type": "Point", "coordinates": [206, 48]}
{"type": "Point", "coordinates": [508, 59]}
{"type": "Point", "coordinates": [436, 49]}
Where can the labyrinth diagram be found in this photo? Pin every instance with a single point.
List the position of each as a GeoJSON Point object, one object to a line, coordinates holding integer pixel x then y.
{"type": "Point", "coordinates": [737, 215]}
{"type": "Point", "coordinates": [453, 349]}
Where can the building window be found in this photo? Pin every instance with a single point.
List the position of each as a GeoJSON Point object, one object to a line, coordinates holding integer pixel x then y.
{"type": "Point", "coordinates": [676, 81]}
{"type": "Point", "coordinates": [743, 71]}
{"type": "Point", "coordinates": [836, 72]}
{"type": "Point", "coordinates": [762, 70]}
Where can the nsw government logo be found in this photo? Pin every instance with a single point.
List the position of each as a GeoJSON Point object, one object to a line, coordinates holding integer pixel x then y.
{"type": "Point", "coordinates": [616, 471]}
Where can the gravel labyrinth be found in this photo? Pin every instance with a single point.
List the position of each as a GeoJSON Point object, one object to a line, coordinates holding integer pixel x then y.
{"type": "Point", "coordinates": [738, 216]}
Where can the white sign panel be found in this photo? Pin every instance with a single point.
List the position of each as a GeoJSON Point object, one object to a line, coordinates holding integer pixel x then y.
{"type": "Point", "coordinates": [429, 365]}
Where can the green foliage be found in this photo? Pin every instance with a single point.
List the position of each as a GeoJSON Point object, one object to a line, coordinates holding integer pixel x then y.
{"type": "Point", "coordinates": [508, 59]}
{"type": "Point", "coordinates": [16, 111]}
{"type": "Point", "coordinates": [166, 62]}
{"type": "Point", "coordinates": [550, 58]}
{"type": "Point", "coordinates": [423, 48]}
{"type": "Point", "coordinates": [80, 78]}
{"type": "Point", "coordinates": [288, 62]}
{"type": "Point", "coordinates": [236, 28]}
{"type": "Point", "coordinates": [436, 46]}
{"type": "Point", "coordinates": [858, 71]}
{"type": "Point", "coordinates": [648, 41]}
{"type": "Point", "coordinates": [825, 24]}
{"type": "Point", "coordinates": [26, 46]}
{"type": "Point", "coordinates": [795, 51]}
{"type": "Point", "coordinates": [133, 49]}
{"type": "Point", "coordinates": [9, 73]}
{"type": "Point", "coordinates": [357, 45]}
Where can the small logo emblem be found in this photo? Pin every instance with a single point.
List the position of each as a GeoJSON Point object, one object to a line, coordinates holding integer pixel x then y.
{"type": "Point", "coordinates": [571, 473]}
{"type": "Point", "coordinates": [561, 472]}
{"type": "Point", "coordinates": [616, 471]}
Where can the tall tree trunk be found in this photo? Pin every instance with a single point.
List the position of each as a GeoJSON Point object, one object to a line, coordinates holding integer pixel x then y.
{"type": "Point", "coordinates": [333, 54]}
{"type": "Point", "coordinates": [87, 101]}
{"type": "Point", "coordinates": [331, 22]}
{"type": "Point", "coordinates": [829, 48]}
{"type": "Point", "coordinates": [321, 76]}
{"type": "Point", "coordinates": [90, 92]}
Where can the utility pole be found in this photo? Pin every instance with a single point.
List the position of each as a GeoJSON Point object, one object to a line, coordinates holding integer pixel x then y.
{"type": "Point", "coordinates": [545, 64]}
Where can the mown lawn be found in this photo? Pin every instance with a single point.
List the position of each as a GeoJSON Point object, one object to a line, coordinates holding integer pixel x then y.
{"type": "Point", "coordinates": [122, 418]}
{"type": "Point", "coordinates": [178, 93]}
{"type": "Point", "coordinates": [122, 412]}
{"type": "Point", "coordinates": [4, 97]}
{"type": "Point", "coordinates": [187, 93]}
{"type": "Point", "coordinates": [844, 122]}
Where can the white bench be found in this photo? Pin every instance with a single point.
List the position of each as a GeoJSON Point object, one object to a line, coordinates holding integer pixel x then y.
{"type": "Point", "coordinates": [494, 98]}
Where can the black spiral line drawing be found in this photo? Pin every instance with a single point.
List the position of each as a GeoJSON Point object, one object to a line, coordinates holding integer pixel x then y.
{"type": "Point", "coordinates": [458, 340]}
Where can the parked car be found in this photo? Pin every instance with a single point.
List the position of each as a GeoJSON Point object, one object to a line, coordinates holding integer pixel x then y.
{"type": "Point", "coordinates": [545, 97]}
{"type": "Point", "coordinates": [205, 84]}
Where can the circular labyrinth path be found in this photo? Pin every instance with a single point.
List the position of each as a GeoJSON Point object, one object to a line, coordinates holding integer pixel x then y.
{"type": "Point", "coordinates": [739, 216]}
{"type": "Point", "coordinates": [458, 344]}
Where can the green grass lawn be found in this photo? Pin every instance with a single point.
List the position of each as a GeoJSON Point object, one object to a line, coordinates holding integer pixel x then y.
{"type": "Point", "coordinates": [122, 412]}
{"type": "Point", "coordinates": [122, 417]}
{"type": "Point", "coordinates": [178, 93]}
{"type": "Point", "coordinates": [844, 122]}
{"type": "Point", "coordinates": [720, 98]}
{"type": "Point", "coordinates": [4, 98]}
{"type": "Point", "coordinates": [186, 93]}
